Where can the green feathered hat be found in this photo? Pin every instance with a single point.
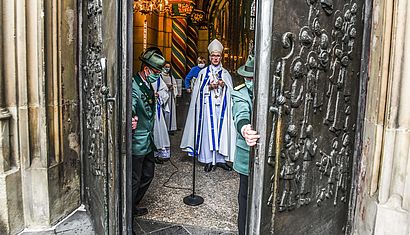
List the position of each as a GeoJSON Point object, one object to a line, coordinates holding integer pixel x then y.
{"type": "Point", "coordinates": [246, 70]}
{"type": "Point", "coordinates": [153, 58]}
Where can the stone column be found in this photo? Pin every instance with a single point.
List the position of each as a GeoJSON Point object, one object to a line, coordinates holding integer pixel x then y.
{"type": "Point", "coordinates": [38, 147]}
{"type": "Point", "coordinates": [178, 56]}
{"type": "Point", "coordinates": [11, 212]}
{"type": "Point", "coordinates": [191, 46]}
{"type": "Point", "coordinates": [393, 209]}
{"type": "Point", "coordinates": [4, 113]}
{"type": "Point", "coordinates": [374, 121]}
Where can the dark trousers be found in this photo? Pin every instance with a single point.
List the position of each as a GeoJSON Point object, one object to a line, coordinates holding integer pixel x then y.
{"type": "Point", "coordinates": [243, 203]}
{"type": "Point", "coordinates": [142, 174]}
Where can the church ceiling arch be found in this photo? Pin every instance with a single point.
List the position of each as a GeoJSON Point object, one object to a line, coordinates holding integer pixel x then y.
{"type": "Point", "coordinates": [214, 7]}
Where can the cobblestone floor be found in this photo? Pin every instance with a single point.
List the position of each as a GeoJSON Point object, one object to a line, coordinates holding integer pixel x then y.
{"type": "Point", "coordinates": [173, 181]}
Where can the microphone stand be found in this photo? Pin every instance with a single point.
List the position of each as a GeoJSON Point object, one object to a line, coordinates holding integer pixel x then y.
{"type": "Point", "coordinates": [193, 199]}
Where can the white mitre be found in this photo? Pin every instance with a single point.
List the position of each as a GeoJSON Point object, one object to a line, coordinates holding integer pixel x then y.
{"type": "Point", "coordinates": [215, 46]}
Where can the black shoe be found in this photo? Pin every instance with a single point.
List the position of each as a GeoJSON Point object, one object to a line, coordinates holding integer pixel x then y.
{"type": "Point", "coordinates": [208, 167]}
{"type": "Point", "coordinates": [224, 166]}
{"type": "Point", "coordinates": [159, 160]}
{"type": "Point", "coordinates": [140, 211]}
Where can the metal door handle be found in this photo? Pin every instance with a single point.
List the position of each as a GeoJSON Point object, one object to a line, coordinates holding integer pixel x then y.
{"type": "Point", "coordinates": [104, 89]}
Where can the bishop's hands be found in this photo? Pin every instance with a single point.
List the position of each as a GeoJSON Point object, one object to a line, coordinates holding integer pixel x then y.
{"type": "Point", "coordinates": [216, 84]}
{"type": "Point", "coordinates": [221, 83]}
{"type": "Point", "coordinates": [251, 136]}
{"type": "Point", "coordinates": [213, 86]}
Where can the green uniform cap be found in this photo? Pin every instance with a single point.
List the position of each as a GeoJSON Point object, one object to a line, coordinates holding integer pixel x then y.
{"type": "Point", "coordinates": [246, 70]}
{"type": "Point", "coordinates": [152, 58]}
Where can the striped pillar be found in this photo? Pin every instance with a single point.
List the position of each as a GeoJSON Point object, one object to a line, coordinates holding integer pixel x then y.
{"type": "Point", "coordinates": [179, 47]}
{"type": "Point", "coordinates": [191, 50]}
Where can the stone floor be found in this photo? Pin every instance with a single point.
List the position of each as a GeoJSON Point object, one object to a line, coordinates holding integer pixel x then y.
{"type": "Point", "coordinates": [78, 223]}
{"type": "Point", "coordinates": [168, 215]}
{"type": "Point", "coordinates": [173, 181]}
{"type": "Point", "coordinates": [151, 227]}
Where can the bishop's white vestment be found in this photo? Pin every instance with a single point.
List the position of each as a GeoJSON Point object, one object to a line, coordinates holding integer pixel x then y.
{"type": "Point", "coordinates": [209, 122]}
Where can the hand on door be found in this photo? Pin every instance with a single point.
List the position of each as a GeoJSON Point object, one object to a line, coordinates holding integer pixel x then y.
{"type": "Point", "coordinates": [251, 136]}
{"type": "Point", "coordinates": [134, 122]}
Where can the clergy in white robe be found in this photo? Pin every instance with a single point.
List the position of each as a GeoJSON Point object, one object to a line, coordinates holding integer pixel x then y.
{"type": "Point", "coordinates": [171, 115]}
{"type": "Point", "coordinates": [161, 138]}
{"type": "Point", "coordinates": [209, 128]}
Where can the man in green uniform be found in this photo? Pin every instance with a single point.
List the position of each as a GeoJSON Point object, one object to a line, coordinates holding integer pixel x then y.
{"type": "Point", "coordinates": [143, 113]}
{"type": "Point", "coordinates": [246, 136]}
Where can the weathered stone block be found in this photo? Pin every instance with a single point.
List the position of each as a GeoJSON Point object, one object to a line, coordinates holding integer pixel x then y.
{"type": "Point", "coordinates": [4, 142]}
{"type": "Point", "coordinates": [391, 218]}
{"type": "Point", "coordinates": [11, 202]}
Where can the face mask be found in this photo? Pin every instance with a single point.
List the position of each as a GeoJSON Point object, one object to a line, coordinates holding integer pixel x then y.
{"type": "Point", "coordinates": [166, 70]}
{"type": "Point", "coordinates": [249, 84]}
{"type": "Point", "coordinates": [152, 77]}
{"type": "Point", "coordinates": [201, 65]}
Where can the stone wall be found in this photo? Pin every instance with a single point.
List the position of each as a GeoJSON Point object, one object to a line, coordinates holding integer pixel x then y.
{"type": "Point", "coordinates": [159, 34]}
{"type": "Point", "coordinates": [384, 189]}
{"type": "Point", "coordinates": [203, 42]}
{"type": "Point", "coordinates": [39, 120]}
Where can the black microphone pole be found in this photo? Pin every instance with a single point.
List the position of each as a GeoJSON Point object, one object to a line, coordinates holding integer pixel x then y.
{"type": "Point", "coordinates": [193, 199]}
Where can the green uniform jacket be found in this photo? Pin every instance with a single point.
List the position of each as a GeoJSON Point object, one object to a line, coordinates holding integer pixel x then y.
{"type": "Point", "coordinates": [242, 110]}
{"type": "Point", "coordinates": [143, 106]}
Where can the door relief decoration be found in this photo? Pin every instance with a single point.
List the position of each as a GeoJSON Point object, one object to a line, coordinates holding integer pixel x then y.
{"type": "Point", "coordinates": [313, 104]}
{"type": "Point", "coordinates": [92, 84]}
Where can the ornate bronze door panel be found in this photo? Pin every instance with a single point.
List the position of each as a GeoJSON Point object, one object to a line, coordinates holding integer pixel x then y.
{"type": "Point", "coordinates": [302, 170]}
{"type": "Point", "coordinates": [103, 80]}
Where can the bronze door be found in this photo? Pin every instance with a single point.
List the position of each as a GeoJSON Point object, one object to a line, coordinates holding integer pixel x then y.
{"type": "Point", "coordinates": [104, 81]}
{"type": "Point", "coordinates": [302, 173]}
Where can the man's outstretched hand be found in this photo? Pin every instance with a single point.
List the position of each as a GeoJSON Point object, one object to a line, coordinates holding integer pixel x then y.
{"type": "Point", "coordinates": [251, 136]}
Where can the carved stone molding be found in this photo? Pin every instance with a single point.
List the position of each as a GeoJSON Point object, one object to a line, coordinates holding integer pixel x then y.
{"type": "Point", "coordinates": [397, 131]}
{"type": "Point", "coordinates": [386, 157]}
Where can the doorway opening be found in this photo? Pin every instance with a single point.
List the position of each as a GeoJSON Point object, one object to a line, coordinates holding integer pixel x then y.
{"type": "Point", "coordinates": [308, 106]}
{"type": "Point", "coordinates": [182, 31]}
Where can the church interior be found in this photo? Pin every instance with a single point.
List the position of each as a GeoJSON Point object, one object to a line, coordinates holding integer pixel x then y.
{"type": "Point", "coordinates": [64, 77]}
{"type": "Point", "coordinates": [182, 30]}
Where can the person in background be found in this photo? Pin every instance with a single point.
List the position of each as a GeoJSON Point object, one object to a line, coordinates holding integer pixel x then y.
{"type": "Point", "coordinates": [193, 74]}
{"type": "Point", "coordinates": [171, 112]}
{"type": "Point", "coordinates": [143, 113]}
{"type": "Point", "coordinates": [210, 115]}
{"type": "Point", "coordinates": [161, 138]}
{"type": "Point", "coordinates": [246, 136]}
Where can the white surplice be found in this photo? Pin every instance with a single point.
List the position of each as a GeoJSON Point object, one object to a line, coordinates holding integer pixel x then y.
{"type": "Point", "coordinates": [171, 116]}
{"type": "Point", "coordinates": [161, 138]}
{"type": "Point", "coordinates": [210, 116]}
